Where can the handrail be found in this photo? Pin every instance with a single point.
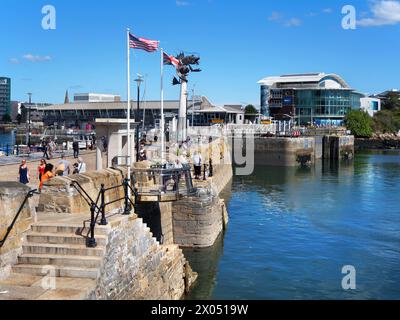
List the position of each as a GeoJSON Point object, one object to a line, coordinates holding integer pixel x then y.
{"type": "Point", "coordinates": [101, 209]}
{"type": "Point", "coordinates": [11, 226]}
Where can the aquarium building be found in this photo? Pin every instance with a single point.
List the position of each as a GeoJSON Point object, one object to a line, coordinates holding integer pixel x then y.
{"type": "Point", "coordinates": [313, 98]}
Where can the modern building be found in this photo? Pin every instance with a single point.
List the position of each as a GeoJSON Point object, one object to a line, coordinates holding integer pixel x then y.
{"type": "Point", "coordinates": [5, 96]}
{"type": "Point", "coordinates": [79, 115]}
{"type": "Point", "coordinates": [313, 98]}
{"type": "Point", "coordinates": [95, 97]}
{"type": "Point", "coordinates": [371, 105]}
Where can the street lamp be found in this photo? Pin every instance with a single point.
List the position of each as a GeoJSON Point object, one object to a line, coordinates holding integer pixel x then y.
{"type": "Point", "coordinates": [29, 120]}
{"type": "Point", "coordinates": [139, 80]}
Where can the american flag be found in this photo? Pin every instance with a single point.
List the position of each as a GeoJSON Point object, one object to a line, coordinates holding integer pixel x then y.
{"type": "Point", "coordinates": [143, 44]}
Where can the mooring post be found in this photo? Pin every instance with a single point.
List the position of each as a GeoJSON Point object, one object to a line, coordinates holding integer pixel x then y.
{"type": "Point", "coordinates": [91, 241]}
{"type": "Point", "coordinates": [103, 221]}
{"type": "Point", "coordinates": [128, 207]}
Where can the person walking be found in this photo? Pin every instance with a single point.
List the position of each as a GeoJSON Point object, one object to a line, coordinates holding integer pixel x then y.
{"type": "Point", "coordinates": [47, 175]}
{"type": "Point", "coordinates": [41, 168]}
{"type": "Point", "coordinates": [23, 174]}
{"type": "Point", "coordinates": [75, 146]}
{"type": "Point", "coordinates": [45, 148]}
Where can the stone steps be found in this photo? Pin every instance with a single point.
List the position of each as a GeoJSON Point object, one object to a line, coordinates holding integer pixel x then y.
{"type": "Point", "coordinates": [62, 249]}
{"type": "Point", "coordinates": [77, 229]}
{"type": "Point", "coordinates": [57, 271]}
{"type": "Point", "coordinates": [62, 238]}
{"type": "Point", "coordinates": [58, 260]}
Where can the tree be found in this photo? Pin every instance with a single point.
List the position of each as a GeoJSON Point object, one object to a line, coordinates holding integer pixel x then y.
{"type": "Point", "coordinates": [387, 121]}
{"type": "Point", "coordinates": [251, 110]}
{"type": "Point", "coordinates": [392, 101]}
{"type": "Point", "coordinates": [6, 118]}
{"type": "Point", "coordinates": [359, 123]}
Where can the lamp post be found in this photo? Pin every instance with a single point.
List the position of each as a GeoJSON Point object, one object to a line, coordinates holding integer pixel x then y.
{"type": "Point", "coordinates": [139, 80]}
{"type": "Point", "coordinates": [29, 120]}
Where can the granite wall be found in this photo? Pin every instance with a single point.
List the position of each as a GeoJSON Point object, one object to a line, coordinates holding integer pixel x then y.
{"type": "Point", "coordinates": [59, 197]}
{"type": "Point", "coordinates": [12, 194]}
{"type": "Point", "coordinates": [137, 267]}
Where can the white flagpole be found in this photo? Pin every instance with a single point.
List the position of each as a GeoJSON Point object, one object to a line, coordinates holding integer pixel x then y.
{"type": "Point", "coordinates": [162, 108]}
{"type": "Point", "coordinates": [129, 158]}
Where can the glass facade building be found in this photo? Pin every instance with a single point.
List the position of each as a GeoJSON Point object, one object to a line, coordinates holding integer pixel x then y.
{"type": "Point", "coordinates": [317, 98]}
{"type": "Point", "coordinates": [5, 96]}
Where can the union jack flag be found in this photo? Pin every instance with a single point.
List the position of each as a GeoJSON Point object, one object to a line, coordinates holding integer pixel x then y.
{"type": "Point", "coordinates": [170, 60]}
{"type": "Point", "coordinates": [143, 44]}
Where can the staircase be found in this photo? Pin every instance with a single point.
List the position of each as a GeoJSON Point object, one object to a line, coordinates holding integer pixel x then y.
{"type": "Point", "coordinates": [63, 247]}
{"type": "Point", "coordinates": [57, 249]}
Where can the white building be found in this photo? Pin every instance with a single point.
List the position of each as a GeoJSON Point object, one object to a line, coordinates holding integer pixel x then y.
{"type": "Point", "coordinates": [95, 97]}
{"type": "Point", "coordinates": [370, 105]}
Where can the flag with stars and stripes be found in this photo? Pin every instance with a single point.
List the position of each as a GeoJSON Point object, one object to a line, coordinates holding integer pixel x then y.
{"type": "Point", "coordinates": [142, 43]}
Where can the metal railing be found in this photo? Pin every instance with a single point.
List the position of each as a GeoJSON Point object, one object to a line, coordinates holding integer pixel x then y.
{"type": "Point", "coordinates": [30, 194]}
{"type": "Point", "coordinates": [161, 181]}
{"type": "Point", "coordinates": [98, 207]}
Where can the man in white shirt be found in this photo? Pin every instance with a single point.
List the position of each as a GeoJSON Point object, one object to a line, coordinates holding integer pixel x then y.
{"type": "Point", "coordinates": [81, 166]}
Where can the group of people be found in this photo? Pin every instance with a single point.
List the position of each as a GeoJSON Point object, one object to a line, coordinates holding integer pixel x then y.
{"type": "Point", "coordinates": [46, 171]}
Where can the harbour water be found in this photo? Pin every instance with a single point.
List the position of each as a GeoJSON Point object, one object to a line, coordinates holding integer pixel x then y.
{"type": "Point", "coordinates": [291, 231]}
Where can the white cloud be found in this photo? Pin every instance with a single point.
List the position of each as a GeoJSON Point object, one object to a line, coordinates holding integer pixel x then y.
{"type": "Point", "coordinates": [384, 12]}
{"type": "Point", "coordinates": [33, 58]}
{"type": "Point", "coordinates": [279, 18]}
{"type": "Point", "coordinates": [327, 10]}
{"type": "Point", "coordinates": [14, 61]}
{"type": "Point", "coordinates": [275, 16]}
{"type": "Point", "coordinates": [181, 3]}
{"type": "Point", "coordinates": [294, 22]}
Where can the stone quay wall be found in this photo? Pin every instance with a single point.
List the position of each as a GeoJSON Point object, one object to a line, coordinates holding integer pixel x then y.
{"type": "Point", "coordinates": [200, 219]}
{"type": "Point", "coordinates": [285, 152]}
{"type": "Point", "coordinates": [137, 267]}
{"type": "Point", "coordinates": [58, 196]}
{"type": "Point", "coordinates": [12, 194]}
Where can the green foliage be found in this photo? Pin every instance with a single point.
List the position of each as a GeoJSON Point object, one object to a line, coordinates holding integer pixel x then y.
{"type": "Point", "coordinates": [251, 110]}
{"type": "Point", "coordinates": [387, 121]}
{"type": "Point", "coordinates": [359, 123]}
{"type": "Point", "coordinates": [392, 102]}
{"type": "Point", "coordinates": [6, 118]}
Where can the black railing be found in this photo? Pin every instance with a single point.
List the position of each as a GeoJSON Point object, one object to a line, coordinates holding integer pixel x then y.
{"type": "Point", "coordinates": [163, 182]}
{"type": "Point", "coordinates": [30, 194]}
{"type": "Point", "coordinates": [99, 209]}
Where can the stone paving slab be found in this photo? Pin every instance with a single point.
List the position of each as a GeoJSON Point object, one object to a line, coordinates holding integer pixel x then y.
{"type": "Point", "coordinates": [20, 292]}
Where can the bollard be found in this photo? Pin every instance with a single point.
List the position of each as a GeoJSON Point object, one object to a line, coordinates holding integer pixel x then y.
{"type": "Point", "coordinates": [211, 171]}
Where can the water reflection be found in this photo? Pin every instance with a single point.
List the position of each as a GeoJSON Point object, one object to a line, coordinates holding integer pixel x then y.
{"type": "Point", "coordinates": [293, 229]}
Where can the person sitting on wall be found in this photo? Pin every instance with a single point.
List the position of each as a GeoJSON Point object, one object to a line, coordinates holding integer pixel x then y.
{"type": "Point", "coordinates": [48, 174]}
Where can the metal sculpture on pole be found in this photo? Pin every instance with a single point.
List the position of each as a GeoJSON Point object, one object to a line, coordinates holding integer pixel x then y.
{"type": "Point", "coordinates": [184, 66]}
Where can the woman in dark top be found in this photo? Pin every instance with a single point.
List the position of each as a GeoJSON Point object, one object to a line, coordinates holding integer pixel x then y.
{"type": "Point", "coordinates": [23, 173]}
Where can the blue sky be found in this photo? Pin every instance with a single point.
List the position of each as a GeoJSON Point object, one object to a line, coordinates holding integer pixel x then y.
{"type": "Point", "coordinates": [239, 43]}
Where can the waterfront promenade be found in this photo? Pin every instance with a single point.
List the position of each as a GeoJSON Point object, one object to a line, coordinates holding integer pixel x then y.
{"type": "Point", "coordinates": [9, 165]}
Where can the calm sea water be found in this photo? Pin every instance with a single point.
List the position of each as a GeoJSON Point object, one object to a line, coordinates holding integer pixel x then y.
{"type": "Point", "coordinates": [292, 230]}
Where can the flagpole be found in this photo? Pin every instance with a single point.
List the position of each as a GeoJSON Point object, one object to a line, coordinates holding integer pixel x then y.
{"type": "Point", "coordinates": [129, 156]}
{"type": "Point", "coordinates": [162, 108]}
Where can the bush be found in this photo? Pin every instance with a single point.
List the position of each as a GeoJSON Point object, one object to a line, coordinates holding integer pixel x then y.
{"type": "Point", "coordinates": [387, 121]}
{"type": "Point", "coordinates": [359, 123]}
